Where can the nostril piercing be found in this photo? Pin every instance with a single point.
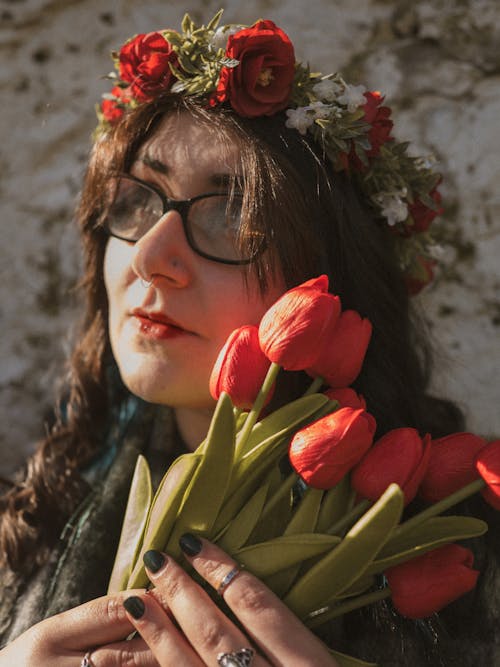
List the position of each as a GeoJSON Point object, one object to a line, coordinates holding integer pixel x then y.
{"type": "Point", "coordinates": [146, 283]}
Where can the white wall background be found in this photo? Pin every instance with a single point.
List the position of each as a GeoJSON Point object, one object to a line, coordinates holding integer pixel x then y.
{"type": "Point", "coordinates": [437, 61]}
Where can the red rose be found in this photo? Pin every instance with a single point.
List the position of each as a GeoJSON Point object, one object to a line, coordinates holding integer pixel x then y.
{"type": "Point", "coordinates": [299, 324]}
{"type": "Point", "coordinates": [488, 466]}
{"type": "Point", "coordinates": [400, 456]}
{"type": "Point", "coordinates": [340, 359]}
{"type": "Point", "coordinates": [145, 64]}
{"type": "Point", "coordinates": [379, 119]}
{"type": "Point", "coordinates": [424, 585]}
{"type": "Point", "coordinates": [323, 452]}
{"type": "Point", "coordinates": [347, 398]}
{"type": "Point", "coordinates": [240, 368]}
{"type": "Point", "coordinates": [261, 84]}
{"type": "Point", "coordinates": [422, 215]}
{"type": "Point", "coordinates": [112, 109]}
{"type": "Point", "coordinates": [419, 274]}
{"type": "Point", "coordinates": [451, 465]}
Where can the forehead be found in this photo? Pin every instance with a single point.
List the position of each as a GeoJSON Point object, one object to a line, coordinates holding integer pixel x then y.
{"type": "Point", "coordinates": [186, 143]}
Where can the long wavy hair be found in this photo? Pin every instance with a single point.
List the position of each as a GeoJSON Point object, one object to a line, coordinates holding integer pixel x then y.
{"type": "Point", "coordinates": [314, 222]}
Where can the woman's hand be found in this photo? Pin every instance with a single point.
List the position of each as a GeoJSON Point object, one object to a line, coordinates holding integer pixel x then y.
{"type": "Point", "coordinates": [63, 640]}
{"type": "Point", "coordinates": [183, 626]}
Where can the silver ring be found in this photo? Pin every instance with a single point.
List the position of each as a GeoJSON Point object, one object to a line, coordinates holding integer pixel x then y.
{"type": "Point", "coordinates": [228, 579]}
{"type": "Point", "coordinates": [87, 660]}
{"type": "Point", "coordinates": [146, 283]}
{"type": "Point", "coordinates": [241, 658]}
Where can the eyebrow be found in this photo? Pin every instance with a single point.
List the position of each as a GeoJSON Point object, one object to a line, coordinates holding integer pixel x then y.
{"type": "Point", "coordinates": [222, 180]}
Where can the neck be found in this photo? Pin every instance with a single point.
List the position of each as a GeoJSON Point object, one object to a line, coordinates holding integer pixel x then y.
{"type": "Point", "coordinates": [193, 425]}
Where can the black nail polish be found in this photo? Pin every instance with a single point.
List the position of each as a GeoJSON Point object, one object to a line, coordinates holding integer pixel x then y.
{"type": "Point", "coordinates": [190, 544]}
{"type": "Point", "coordinates": [153, 560]}
{"type": "Point", "coordinates": [134, 606]}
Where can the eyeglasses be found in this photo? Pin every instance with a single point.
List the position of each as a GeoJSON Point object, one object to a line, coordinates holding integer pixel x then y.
{"type": "Point", "coordinates": [211, 222]}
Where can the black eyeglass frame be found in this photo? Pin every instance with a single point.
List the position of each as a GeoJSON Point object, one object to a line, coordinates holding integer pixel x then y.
{"type": "Point", "coordinates": [182, 207]}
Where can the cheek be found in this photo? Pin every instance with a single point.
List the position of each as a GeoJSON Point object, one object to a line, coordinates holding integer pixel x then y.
{"type": "Point", "coordinates": [117, 269]}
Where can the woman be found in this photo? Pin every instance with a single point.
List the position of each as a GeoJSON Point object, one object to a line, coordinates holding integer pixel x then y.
{"type": "Point", "coordinates": [262, 210]}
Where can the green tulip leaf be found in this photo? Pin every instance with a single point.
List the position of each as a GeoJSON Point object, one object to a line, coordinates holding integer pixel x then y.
{"type": "Point", "coordinates": [206, 492]}
{"type": "Point", "coordinates": [348, 661]}
{"type": "Point", "coordinates": [335, 505]}
{"type": "Point", "coordinates": [267, 558]}
{"type": "Point", "coordinates": [425, 537]}
{"type": "Point", "coordinates": [242, 526]}
{"type": "Point", "coordinates": [303, 520]}
{"type": "Point", "coordinates": [336, 571]}
{"type": "Point", "coordinates": [163, 512]}
{"type": "Point", "coordinates": [134, 523]}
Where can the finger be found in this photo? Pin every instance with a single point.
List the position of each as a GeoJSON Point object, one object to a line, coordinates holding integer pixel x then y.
{"type": "Point", "coordinates": [97, 622]}
{"type": "Point", "coordinates": [206, 627]}
{"type": "Point", "coordinates": [133, 653]}
{"type": "Point", "coordinates": [271, 625]}
{"type": "Point", "coordinates": [167, 643]}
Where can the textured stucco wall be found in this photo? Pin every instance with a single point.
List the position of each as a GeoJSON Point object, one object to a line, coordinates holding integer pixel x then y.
{"type": "Point", "coordinates": [438, 61]}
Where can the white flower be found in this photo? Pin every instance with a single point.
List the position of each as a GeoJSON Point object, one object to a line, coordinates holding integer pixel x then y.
{"type": "Point", "coordinates": [299, 119]}
{"type": "Point", "coordinates": [392, 206]}
{"type": "Point", "coordinates": [327, 90]}
{"type": "Point", "coordinates": [222, 34]}
{"type": "Point", "coordinates": [352, 97]}
{"type": "Point", "coordinates": [320, 109]}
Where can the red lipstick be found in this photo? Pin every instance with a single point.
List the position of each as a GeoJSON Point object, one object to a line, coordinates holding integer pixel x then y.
{"type": "Point", "coordinates": [157, 325]}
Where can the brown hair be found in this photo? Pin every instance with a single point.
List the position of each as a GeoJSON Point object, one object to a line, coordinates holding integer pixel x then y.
{"type": "Point", "coordinates": [314, 222]}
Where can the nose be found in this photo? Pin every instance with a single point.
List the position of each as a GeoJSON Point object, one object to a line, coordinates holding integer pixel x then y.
{"type": "Point", "coordinates": [164, 252]}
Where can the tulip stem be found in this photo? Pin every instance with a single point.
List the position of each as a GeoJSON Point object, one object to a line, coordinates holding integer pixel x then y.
{"type": "Point", "coordinates": [259, 403]}
{"type": "Point", "coordinates": [278, 495]}
{"type": "Point", "coordinates": [348, 519]}
{"type": "Point", "coordinates": [440, 506]}
{"type": "Point", "coordinates": [315, 386]}
{"type": "Point", "coordinates": [345, 607]}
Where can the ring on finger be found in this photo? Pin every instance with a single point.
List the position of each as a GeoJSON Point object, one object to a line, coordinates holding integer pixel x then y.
{"type": "Point", "coordinates": [87, 660]}
{"type": "Point", "coordinates": [241, 658]}
{"type": "Point", "coordinates": [228, 579]}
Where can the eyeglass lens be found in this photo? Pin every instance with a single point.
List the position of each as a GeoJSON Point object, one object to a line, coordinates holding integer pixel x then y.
{"type": "Point", "coordinates": [211, 222]}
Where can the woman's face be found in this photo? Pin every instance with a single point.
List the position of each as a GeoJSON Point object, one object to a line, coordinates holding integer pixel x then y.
{"type": "Point", "coordinates": [166, 337]}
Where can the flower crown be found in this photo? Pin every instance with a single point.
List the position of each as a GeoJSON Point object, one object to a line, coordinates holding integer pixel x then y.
{"type": "Point", "coordinates": [253, 70]}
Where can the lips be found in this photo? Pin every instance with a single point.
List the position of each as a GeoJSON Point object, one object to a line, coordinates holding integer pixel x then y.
{"type": "Point", "coordinates": [157, 325]}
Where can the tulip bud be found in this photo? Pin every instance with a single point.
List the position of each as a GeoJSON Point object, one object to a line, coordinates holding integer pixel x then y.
{"type": "Point", "coordinates": [347, 398]}
{"type": "Point", "coordinates": [297, 326]}
{"type": "Point", "coordinates": [488, 466]}
{"type": "Point", "coordinates": [240, 368]}
{"type": "Point", "coordinates": [324, 451]}
{"type": "Point", "coordinates": [341, 357]}
{"type": "Point", "coordinates": [451, 465]}
{"type": "Point", "coordinates": [400, 456]}
{"type": "Point", "coordinates": [424, 585]}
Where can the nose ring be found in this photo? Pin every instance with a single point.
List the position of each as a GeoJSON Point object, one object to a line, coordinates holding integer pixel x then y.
{"type": "Point", "coordinates": [146, 283]}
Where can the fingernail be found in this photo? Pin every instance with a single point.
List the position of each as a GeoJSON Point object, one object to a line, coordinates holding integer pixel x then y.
{"type": "Point", "coordinates": [190, 544]}
{"type": "Point", "coordinates": [154, 560]}
{"type": "Point", "coordinates": [134, 606]}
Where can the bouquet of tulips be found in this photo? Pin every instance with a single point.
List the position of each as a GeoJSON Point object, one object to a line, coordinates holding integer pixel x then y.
{"type": "Point", "coordinates": [321, 535]}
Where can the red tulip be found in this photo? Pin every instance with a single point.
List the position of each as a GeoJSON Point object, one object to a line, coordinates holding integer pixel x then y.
{"type": "Point", "coordinates": [347, 398]}
{"type": "Point", "coordinates": [240, 368]}
{"type": "Point", "coordinates": [488, 466]}
{"type": "Point", "coordinates": [298, 325]}
{"type": "Point", "coordinates": [451, 465]}
{"type": "Point", "coordinates": [400, 456]}
{"type": "Point", "coordinates": [424, 585]}
{"type": "Point", "coordinates": [324, 451]}
{"type": "Point", "coordinates": [340, 359]}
